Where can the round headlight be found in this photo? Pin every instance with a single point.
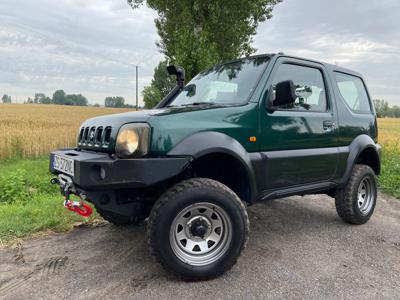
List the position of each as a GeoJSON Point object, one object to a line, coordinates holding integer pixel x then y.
{"type": "Point", "coordinates": [128, 142]}
{"type": "Point", "coordinates": [132, 140]}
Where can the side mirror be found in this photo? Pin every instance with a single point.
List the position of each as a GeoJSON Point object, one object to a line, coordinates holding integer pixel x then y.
{"type": "Point", "coordinates": [179, 72]}
{"type": "Point", "coordinates": [285, 93]}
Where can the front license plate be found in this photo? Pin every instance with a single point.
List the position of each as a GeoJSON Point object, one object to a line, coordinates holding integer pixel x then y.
{"type": "Point", "coordinates": [63, 164]}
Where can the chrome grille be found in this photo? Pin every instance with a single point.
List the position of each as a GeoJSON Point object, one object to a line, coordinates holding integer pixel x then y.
{"type": "Point", "coordinates": [93, 136]}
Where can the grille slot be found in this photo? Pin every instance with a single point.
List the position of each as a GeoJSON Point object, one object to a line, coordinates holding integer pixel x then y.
{"type": "Point", "coordinates": [99, 134]}
{"type": "Point", "coordinates": [90, 137]}
{"type": "Point", "coordinates": [85, 135]}
{"type": "Point", "coordinates": [81, 135]}
{"type": "Point", "coordinates": [107, 137]}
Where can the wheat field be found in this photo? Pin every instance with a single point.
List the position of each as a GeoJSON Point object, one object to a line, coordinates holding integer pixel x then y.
{"type": "Point", "coordinates": [29, 130]}
{"type": "Point", "coordinates": [389, 132]}
{"type": "Point", "coordinates": [33, 130]}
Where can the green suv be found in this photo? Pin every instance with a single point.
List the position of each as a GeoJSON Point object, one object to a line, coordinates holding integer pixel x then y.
{"type": "Point", "coordinates": [253, 129]}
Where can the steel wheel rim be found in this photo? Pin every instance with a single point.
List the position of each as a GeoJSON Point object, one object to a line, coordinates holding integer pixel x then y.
{"type": "Point", "coordinates": [365, 195]}
{"type": "Point", "coordinates": [201, 250]}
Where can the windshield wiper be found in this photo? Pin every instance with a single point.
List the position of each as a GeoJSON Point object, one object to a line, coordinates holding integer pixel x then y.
{"type": "Point", "coordinates": [199, 103]}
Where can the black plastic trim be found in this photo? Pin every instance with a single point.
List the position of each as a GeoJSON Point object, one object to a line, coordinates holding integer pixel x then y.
{"type": "Point", "coordinates": [119, 173]}
{"type": "Point", "coordinates": [296, 190]}
{"type": "Point", "coordinates": [209, 142]}
{"type": "Point", "coordinates": [357, 146]}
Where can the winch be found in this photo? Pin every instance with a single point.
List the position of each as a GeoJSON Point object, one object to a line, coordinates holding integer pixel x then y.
{"type": "Point", "coordinates": [79, 207]}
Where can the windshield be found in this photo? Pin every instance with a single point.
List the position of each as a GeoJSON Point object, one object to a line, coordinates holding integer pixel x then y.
{"type": "Point", "coordinates": [226, 84]}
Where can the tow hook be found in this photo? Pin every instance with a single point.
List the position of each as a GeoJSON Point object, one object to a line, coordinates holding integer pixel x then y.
{"type": "Point", "coordinates": [79, 207]}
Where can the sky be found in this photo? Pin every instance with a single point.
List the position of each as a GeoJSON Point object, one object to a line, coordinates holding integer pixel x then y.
{"type": "Point", "coordinates": [91, 47]}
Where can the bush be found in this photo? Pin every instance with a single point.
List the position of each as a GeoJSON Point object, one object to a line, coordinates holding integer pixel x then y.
{"type": "Point", "coordinates": [21, 180]}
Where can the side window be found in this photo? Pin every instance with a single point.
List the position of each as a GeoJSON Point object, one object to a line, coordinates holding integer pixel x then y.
{"type": "Point", "coordinates": [310, 87]}
{"type": "Point", "coordinates": [353, 92]}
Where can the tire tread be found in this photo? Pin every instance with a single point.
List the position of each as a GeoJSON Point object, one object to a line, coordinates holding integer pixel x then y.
{"type": "Point", "coordinates": [169, 195]}
{"type": "Point", "coordinates": [344, 196]}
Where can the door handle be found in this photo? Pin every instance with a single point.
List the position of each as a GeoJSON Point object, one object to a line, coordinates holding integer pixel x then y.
{"type": "Point", "coordinates": [328, 125]}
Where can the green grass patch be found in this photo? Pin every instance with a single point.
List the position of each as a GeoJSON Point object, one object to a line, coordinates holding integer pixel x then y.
{"type": "Point", "coordinates": [28, 202]}
{"type": "Point", "coordinates": [389, 180]}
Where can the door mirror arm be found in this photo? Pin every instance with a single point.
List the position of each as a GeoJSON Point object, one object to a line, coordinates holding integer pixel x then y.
{"type": "Point", "coordinates": [269, 101]}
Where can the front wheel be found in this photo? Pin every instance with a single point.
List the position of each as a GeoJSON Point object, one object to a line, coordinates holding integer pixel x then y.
{"type": "Point", "coordinates": [198, 229]}
{"type": "Point", "coordinates": [355, 203]}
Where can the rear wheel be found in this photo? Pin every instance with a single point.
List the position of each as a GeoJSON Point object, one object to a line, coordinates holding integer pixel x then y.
{"type": "Point", "coordinates": [355, 203]}
{"type": "Point", "coordinates": [198, 229]}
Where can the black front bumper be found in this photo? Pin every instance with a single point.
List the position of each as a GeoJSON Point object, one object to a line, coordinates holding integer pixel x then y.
{"type": "Point", "coordinates": [94, 170]}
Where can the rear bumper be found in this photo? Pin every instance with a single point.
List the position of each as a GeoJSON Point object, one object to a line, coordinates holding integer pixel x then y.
{"type": "Point", "coordinates": [93, 170]}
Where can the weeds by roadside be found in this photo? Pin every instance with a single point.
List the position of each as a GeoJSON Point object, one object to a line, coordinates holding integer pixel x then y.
{"type": "Point", "coordinates": [389, 181]}
{"type": "Point", "coordinates": [29, 203]}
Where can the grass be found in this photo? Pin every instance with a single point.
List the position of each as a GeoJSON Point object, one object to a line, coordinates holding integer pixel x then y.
{"type": "Point", "coordinates": [29, 203]}
{"type": "Point", "coordinates": [389, 138]}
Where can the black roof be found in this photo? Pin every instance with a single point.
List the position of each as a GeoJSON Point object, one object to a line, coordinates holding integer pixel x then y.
{"type": "Point", "coordinates": [330, 67]}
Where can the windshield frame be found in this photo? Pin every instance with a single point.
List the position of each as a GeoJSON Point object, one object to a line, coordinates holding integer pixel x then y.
{"type": "Point", "coordinates": [247, 99]}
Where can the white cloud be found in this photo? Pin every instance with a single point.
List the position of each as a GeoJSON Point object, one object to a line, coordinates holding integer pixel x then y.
{"type": "Point", "coordinates": [91, 46]}
{"type": "Point", "coordinates": [353, 34]}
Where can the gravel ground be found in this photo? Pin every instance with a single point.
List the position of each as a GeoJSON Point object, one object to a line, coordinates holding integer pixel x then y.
{"type": "Point", "coordinates": [298, 248]}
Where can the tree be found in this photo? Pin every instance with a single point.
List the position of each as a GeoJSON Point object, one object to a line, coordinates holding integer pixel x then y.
{"type": "Point", "coordinates": [160, 86]}
{"type": "Point", "coordinates": [151, 96]}
{"type": "Point", "coordinates": [381, 107]}
{"type": "Point", "coordinates": [6, 98]}
{"type": "Point", "coordinates": [41, 99]}
{"type": "Point", "coordinates": [114, 102]}
{"type": "Point", "coordinates": [58, 97]}
{"type": "Point", "coordinates": [76, 99]}
{"type": "Point", "coordinates": [197, 34]}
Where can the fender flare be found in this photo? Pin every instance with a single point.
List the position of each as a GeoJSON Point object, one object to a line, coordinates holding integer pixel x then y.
{"type": "Point", "coordinates": [357, 146]}
{"type": "Point", "coordinates": [209, 142]}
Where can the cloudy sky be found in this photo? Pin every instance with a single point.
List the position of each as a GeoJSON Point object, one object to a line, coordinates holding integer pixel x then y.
{"type": "Point", "coordinates": [92, 46]}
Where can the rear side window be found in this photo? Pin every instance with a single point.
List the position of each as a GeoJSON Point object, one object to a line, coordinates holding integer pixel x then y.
{"type": "Point", "coordinates": [353, 92]}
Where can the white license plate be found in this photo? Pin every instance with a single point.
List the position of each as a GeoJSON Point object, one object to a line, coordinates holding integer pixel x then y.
{"type": "Point", "coordinates": [63, 164]}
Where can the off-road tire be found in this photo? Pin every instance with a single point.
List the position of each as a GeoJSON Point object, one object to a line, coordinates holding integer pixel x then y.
{"type": "Point", "coordinates": [346, 199]}
{"type": "Point", "coordinates": [182, 196]}
{"type": "Point", "coordinates": [120, 220]}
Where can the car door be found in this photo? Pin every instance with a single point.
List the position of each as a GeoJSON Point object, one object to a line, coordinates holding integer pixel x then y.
{"type": "Point", "coordinates": [298, 140]}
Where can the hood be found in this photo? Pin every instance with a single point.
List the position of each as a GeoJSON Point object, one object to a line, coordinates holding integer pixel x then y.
{"type": "Point", "coordinates": [117, 120]}
{"type": "Point", "coordinates": [100, 133]}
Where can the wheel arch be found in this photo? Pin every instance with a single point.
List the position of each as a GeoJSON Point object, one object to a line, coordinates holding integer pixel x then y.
{"type": "Point", "coordinates": [208, 147]}
{"type": "Point", "coordinates": [363, 150]}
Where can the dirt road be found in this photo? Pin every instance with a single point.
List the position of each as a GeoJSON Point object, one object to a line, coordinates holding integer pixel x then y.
{"type": "Point", "coordinates": [298, 248]}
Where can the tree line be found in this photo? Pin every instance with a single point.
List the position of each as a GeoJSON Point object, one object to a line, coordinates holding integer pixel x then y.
{"type": "Point", "coordinates": [384, 110]}
{"type": "Point", "coordinates": [116, 102]}
{"type": "Point", "coordinates": [61, 98]}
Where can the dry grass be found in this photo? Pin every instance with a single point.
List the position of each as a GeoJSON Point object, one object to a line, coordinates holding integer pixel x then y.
{"type": "Point", "coordinates": [389, 131]}
{"type": "Point", "coordinates": [35, 130]}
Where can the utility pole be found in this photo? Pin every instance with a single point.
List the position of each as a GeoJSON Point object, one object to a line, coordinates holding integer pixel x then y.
{"type": "Point", "coordinates": [137, 87]}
